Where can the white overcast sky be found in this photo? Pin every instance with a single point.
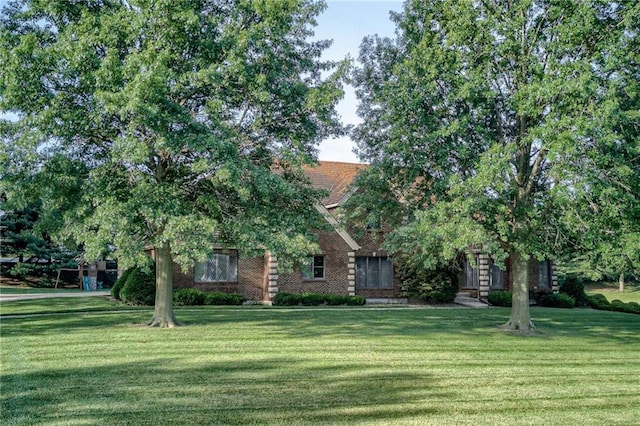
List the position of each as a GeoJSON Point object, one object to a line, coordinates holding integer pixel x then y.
{"type": "Point", "coordinates": [347, 22]}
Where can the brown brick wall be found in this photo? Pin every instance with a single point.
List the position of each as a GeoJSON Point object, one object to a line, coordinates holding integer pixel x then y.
{"type": "Point", "coordinates": [370, 242]}
{"type": "Point", "coordinates": [252, 272]}
{"type": "Point", "coordinates": [334, 249]}
{"type": "Point", "coordinates": [250, 279]}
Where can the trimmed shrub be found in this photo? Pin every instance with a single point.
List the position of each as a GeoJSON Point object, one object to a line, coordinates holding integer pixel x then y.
{"type": "Point", "coordinates": [235, 299]}
{"type": "Point", "coordinates": [617, 305]}
{"type": "Point", "coordinates": [115, 290]}
{"type": "Point", "coordinates": [632, 308]}
{"type": "Point", "coordinates": [599, 301]}
{"type": "Point", "coordinates": [575, 288]}
{"type": "Point", "coordinates": [538, 294]}
{"type": "Point", "coordinates": [284, 298]}
{"type": "Point", "coordinates": [219, 298]}
{"type": "Point", "coordinates": [188, 297]}
{"type": "Point", "coordinates": [500, 298]}
{"type": "Point", "coordinates": [558, 300]}
{"type": "Point", "coordinates": [139, 289]}
{"type": "Point", "coordinates": [312, 299]}
{"type": "Point", "coordinates": [336, 299]}
{"type": "Point", "coordinates": [433, 286]}
{"type": "Point", "coordinates": [356, 300]}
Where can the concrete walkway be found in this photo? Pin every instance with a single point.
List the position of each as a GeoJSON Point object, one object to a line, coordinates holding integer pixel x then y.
{"type": "Point", "coordinates": [464, 299]}
{"type": "Point", "coordinates": [4, 297]}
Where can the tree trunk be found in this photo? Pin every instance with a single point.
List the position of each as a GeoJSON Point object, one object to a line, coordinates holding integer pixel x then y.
{"type": "Point", "coordinates": [621, 282]}
{"type": "Point", "coordinates": [520, 317]}
{"type": "Point", "coordinates": [163, 313]}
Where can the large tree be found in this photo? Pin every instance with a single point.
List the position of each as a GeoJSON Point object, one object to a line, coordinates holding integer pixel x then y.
{"type": "Point", "coordinates": [159, 124]}
{"type": "Point", "coordinates": [510, 126]}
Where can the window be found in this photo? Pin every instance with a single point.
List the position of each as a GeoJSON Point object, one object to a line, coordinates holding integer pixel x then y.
{"type": "Point", "coordinates": [217, 268]}
{"type": "Point", "coordinates": [374, 272]}
{"type": "Point", "coordinates": [496, 275]}
{"type": "Point", "coordinates": [314, 269]}
{"type": "Point", "coordinates": [470, 277]}
{"type": "Point", "coordinates": [544, 274]}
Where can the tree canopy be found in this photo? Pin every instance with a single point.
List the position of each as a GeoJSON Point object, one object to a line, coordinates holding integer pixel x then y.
{"type": "Point", "coordinates": [506, 125]}
{"type": "Point", "coordinates": [30, 252]}
{"type": "Point", "coordinates": [161, 124]}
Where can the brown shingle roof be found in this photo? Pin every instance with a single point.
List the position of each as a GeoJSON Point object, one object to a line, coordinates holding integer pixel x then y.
{"type": "Point", "coordinates": [335, 177]}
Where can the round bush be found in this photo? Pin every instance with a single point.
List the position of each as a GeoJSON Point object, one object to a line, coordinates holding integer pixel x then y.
{"type": "Point", "coordinates": [437, 285]}
{"type": "Point", "coordinates": [235, 299]}
{"type": "Point", "coordinates": [117, 286]}
{"type": "Point", "coordinates": [284, 298]}
{"type": "Point", "coordinates": [219, 298]}
{"type": "Point", "coordinates": [575, 288]}
{"type": "Point", "coordinates": [564, 301]}
{"type": "Point", "coordinates": [188, 297]}
{"type": "Point", "coordinates": [500, 298]}
{"type": "Point", "coordinates": [312, 299]}
{"type": "Point", "coordinates": [336, 299]}
{"type": "Point", "coordinates": [356, 300]}
{"type": "Point", "coordinates": [599, 301]}
{"type": "Point", "coordinates": [139, 289]}
{"type": "Point", "coordinates": [558, 300]}
{"type": "Point", "coordinates": [617, 305]}
{"type": "Point", "coordinates": [632, 308]}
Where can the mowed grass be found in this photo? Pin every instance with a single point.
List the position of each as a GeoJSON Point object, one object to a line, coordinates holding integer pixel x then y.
{"type": "Point", "coordinates": [320, 366]}
{"type": "Point", "coordinates": [9, 289]}
{"type": "Point", "coordinates": [631, 292]}
{"type": "Point", "coordinates": [63, 305]}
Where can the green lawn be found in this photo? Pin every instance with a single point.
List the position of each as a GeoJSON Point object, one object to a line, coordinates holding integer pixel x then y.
{"type": "Point", "coordinates": [317, 366]}
{"type": "Point", "coordinates": [631, 292]}
{"type": "Point", "coordinates": [10, 289]}
{"type": "Point", "coordinates": [62, 305]}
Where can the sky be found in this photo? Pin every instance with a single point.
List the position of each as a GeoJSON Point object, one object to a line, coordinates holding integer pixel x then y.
{"type": "Point", "coordinates": [347, 22]}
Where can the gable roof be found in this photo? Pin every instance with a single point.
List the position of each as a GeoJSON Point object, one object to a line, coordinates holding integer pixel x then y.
{"type": "Point", "coordinates": [335, 177]}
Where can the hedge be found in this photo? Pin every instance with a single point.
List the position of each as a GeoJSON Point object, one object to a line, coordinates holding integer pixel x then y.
{"type": "Point", "coordinates": [558, 300]}
{"type": "Point", "coordinates": [284, 298]}
{"type": "Point", "coordinates": [139, 288]}
{"type": "Point", "coordinates": [599, 301]}
{"type": "Point", "coordinates": [500, 298]}
{"type": "Point", "coordinates": [115, 290]}
{"type": "Point", "coordinates": [195, 297]}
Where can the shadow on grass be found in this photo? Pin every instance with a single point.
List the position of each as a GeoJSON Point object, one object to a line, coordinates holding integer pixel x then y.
{"type": "Point", "coordinates": [318, 322]}
{"type": "Point", "coordinates": [231, 392]}
{"type": "Point", "coordinates": [599, 325]}
{"type": "Point", "coordinates": [550, 322]}
{"type": "Point", "coordinates": [58, 305]}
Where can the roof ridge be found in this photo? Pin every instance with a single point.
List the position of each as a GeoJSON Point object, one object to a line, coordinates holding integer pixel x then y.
{"type": "Point", "coordinates": [341, 162]}
{"type": "Point", "coordinates": [336, 177]}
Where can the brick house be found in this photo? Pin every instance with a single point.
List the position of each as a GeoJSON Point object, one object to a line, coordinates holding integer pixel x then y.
{"type": "Point", "coordinates": [345, 265]}
{"type": "Point", "coordinates": [480, 279]}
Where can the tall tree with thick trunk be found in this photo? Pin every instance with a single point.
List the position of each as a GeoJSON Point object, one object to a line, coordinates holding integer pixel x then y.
{"type": "Point", "coordinates": [488, 124]}
{"type": "Point", "coordinates": [165, 124]}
